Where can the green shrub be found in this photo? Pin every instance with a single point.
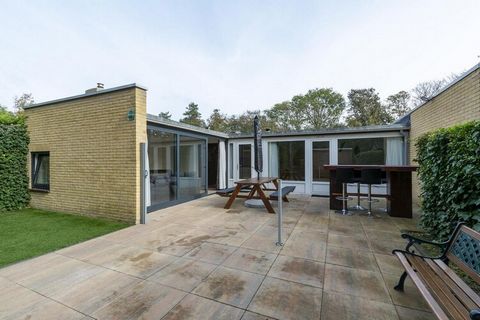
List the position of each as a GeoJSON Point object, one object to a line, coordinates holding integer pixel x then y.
{"type": "Point", "coordinates": [13, 166]}
{"type": "Point", "coordinates": [449, 173]}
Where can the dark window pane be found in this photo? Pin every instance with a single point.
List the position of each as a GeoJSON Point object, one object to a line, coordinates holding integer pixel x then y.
{"type": "Point", "coordinates": [321, 157]}
{"type": "Point", "coordinates": [230, 160]}
{"type": "Point", "coordinates": [245, 160]}
{"type": "Point", "coordinates": [41, 170]}
{"type": "Point", "coordinates": [369, 151]}
{"type": "Point", "coordinates": [287, 160]}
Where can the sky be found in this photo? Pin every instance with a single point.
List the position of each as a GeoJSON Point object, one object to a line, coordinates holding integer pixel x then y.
{"type": "Point", "coordinates": [231, 55]}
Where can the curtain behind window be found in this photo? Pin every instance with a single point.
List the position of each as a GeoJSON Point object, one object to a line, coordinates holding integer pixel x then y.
{"type": "Point", "coordinates": [273, 159]}
{"type": "Point", "coordinates": [394, 151]}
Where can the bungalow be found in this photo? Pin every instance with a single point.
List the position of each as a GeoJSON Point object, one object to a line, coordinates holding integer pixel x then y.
{"type": "Point", "coordinates": [101, 154]}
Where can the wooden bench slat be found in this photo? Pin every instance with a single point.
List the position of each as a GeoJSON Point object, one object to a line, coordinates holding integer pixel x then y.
{"type": "Point", "coordinates": [458, 291]}
{"type": "Point", "coordinates": [432, 303]}
{"type": "Point", "coordinates": [439, 290]}
{"type": "Point", "coordinates": [443, 289]}
{"type": "Point", "coordinates": [471, 294]}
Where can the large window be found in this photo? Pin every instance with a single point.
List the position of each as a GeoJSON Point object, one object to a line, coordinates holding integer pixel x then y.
{"type": "Point", "coordinates": [177, 165]}
{"type": "Point", "coordinates": [366, 151]}
{"type": "Point", "coordinates": [321, 157]}
{"type": "Point", "coordinates": [287, 160]}
{"type": "Point", "coordinates": [41, 170]}
{"type": "Point", "coordinates": [162, 159]}
{"type": "Point", "coordinates": [192, 167]}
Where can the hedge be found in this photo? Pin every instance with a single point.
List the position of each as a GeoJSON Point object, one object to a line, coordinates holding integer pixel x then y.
{"type": "Point", "coordinates": [449, 173]}
{"type": "Point", "coordinates": [13, 167]}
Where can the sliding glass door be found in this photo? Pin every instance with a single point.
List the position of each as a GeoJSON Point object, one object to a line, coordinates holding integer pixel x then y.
{"type": "Point", "coordinates": [177, 167]}
{"type": "Point", "coordinates": [192, 180]}
{"type": "Point", "coordinates": [162, 159]}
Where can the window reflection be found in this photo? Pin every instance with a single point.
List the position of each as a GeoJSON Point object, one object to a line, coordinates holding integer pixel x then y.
{"type": "Point", "coordinates": [367, 151]}
{"type": "Point", "coordinates": [162, 159]}
{"type": "Point", "coordinates": [321, 157]}
{"type": "Point", "coordinates": [287, 160]}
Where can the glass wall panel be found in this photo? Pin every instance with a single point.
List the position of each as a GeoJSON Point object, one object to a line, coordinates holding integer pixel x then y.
{"type": "Point", "coordinates": [162, 157]}
{"type": "Point", "coordinates": [321, 156]}
{"type": "Point", "coordinates": [245, 160]}
{"type": "Point", "coordinates": [192, 163]}
{"type": "Point", "coordinates": [287, 160]}
{"type": "Point", "coordinates": [230, 161]}
{"type": "Point", "coordinates": [366, 151]}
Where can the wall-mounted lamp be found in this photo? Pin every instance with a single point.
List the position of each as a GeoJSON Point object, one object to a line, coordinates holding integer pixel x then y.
{"type": "Point", "coordinates": [131, 114]}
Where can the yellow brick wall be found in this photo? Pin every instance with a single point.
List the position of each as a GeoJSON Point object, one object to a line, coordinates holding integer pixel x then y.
{"type": "Point", "coordinates": [459, 103]}
{"type": "Point", "coordinates": [94, 153]}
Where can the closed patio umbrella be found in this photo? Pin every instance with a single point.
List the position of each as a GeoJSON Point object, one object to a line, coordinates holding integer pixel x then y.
{"type": "Point", "coordinates": [257, 146]}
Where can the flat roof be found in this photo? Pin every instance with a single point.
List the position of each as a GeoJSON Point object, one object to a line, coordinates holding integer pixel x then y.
{"type": "Point", "coordinates": [85, 95]}
{"type": "Point", "coordinates": [184, 126]}
{"type": "Point", "coordinates": [326, 131]}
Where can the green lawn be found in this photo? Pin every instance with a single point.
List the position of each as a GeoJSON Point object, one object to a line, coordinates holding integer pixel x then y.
{"type": "Point", "coordinates": [29, 232]}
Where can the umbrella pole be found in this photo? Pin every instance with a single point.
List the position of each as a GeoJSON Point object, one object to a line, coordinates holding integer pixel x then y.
{"type": "Point", "coordinates": [280, 213]}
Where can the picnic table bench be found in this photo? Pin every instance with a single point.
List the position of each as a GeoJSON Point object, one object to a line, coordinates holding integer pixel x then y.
{"type": "Point", "coordinates": [285, 192]}
{"type": "Point", "coordinates": [228, 191]}
{"type": "Point", "coordinates": [445, 292]}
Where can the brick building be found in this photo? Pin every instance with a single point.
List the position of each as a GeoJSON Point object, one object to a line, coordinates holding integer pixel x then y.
{"type": "Point", "coordinates": [456, 103]}
{"type": "Point", "coordinates": [101, 154]}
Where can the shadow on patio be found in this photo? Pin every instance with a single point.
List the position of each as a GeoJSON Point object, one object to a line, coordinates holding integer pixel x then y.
{"type": "Point", "coordinates": [199, 261]}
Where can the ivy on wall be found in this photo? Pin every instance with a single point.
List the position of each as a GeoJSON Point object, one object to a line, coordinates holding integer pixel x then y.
{"type": "Point", "coordinates": [449, 173]}
{"type": "Point", "coordinates": [13, 166]}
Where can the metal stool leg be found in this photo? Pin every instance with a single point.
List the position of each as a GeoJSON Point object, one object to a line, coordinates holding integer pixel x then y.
{"type": "Point", "coordinates": [357, 207]}
{"type": "Point", "coordinates": [369, 200]}
{"type": "Point", "coordinates": [344, 210]}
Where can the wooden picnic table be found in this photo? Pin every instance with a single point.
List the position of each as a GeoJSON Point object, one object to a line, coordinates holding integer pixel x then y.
{"type": "Point", "coordinates": [256, 191]}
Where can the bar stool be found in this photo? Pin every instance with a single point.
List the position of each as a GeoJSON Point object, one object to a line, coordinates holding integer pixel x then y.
{"type": "Point", "coordinates": [357, 207]}
{"type": "Point", "coordinates": [371, 176]}
{"type": "Point", "coordinates": [344, 176]}
{"type": "Point", "coordinates": [385, 181]}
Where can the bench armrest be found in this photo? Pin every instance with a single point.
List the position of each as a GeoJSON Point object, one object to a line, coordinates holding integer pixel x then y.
{"type": "Point", "coordinates": [475, 314]}
{"type": "Point", "coordinates": [406, 252]}
{"type": "Point", "coordinates": [412, 240]}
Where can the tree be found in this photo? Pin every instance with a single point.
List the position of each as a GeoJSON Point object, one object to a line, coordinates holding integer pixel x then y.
{"type": "Point", "coordinates": [424, 91]}
{"type": "Point", "coordinates": [165, 115]}
{"type": "Point", "coordinates": [323, 108]}
{"type": "Point", "coordinates": [365, 108]}
{"type": "Point", "coordinates": [193, 116]}
{"type": "Point", "coordinates": [23, 101]}
{"type": "Point", "coordinates": [243, 123]}
{"type": "Point", "coordinates": [288, 115]}
{"type": "Point", "coordinates": [281, 114]}
{"type": "Point", "coordinates": [8, 117]}
{"type": "Point", "coordinates": [318, 108]}
{"type": "Point", "coordinates": [217, 121]}
{"type": "Point", "coordinates": [398, 104]}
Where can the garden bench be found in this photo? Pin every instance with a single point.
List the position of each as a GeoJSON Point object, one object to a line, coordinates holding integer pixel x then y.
{"type": "Point", "coordinates": [447, 295]}
{"type": "Point", "coordinates": [228, 191]}
{"type": "Point", "coordinates": [285, 191]}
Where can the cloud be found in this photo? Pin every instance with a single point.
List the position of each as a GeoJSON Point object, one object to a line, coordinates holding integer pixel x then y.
{"type": "Point", "coordinates": [229, 55]}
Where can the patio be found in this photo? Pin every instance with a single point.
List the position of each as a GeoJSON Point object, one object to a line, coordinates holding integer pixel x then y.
{"type": "Point", "coordinates": [199, 261]}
